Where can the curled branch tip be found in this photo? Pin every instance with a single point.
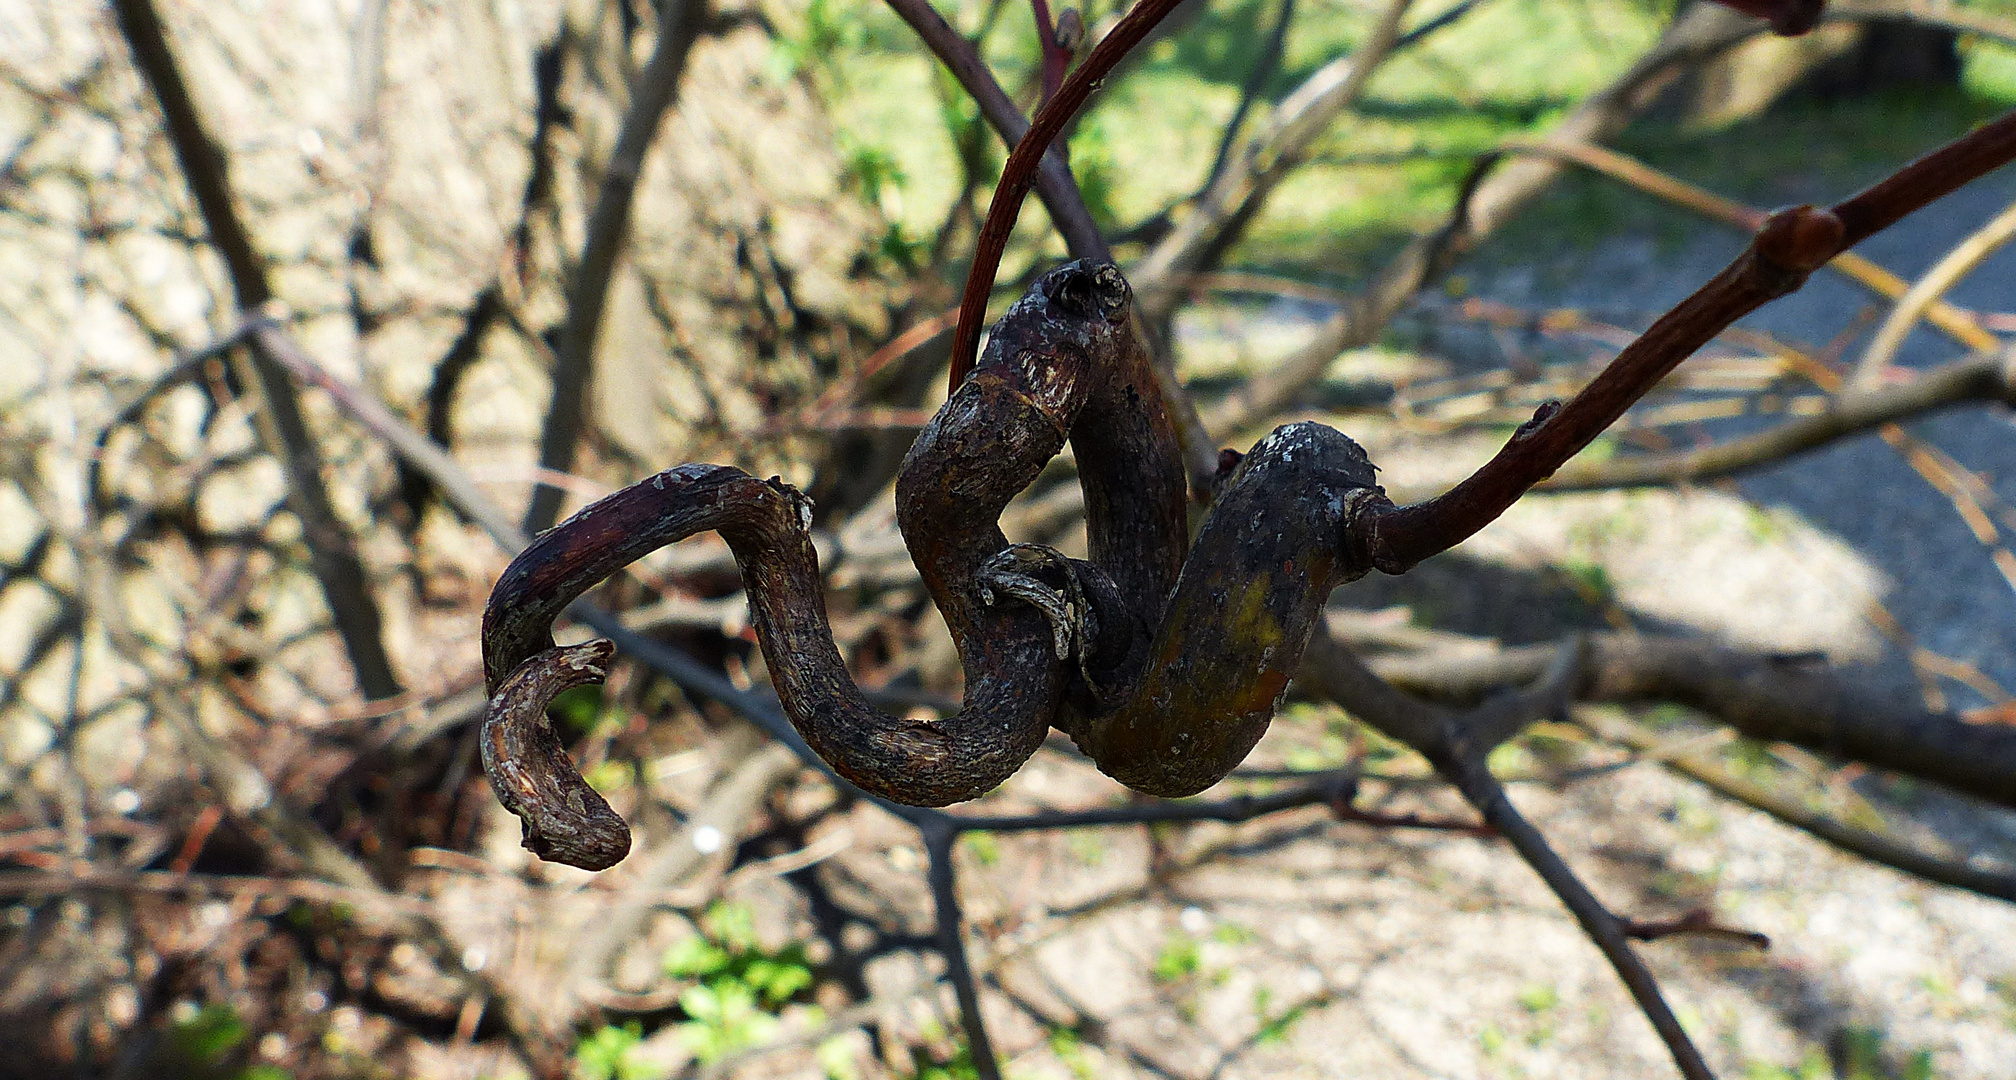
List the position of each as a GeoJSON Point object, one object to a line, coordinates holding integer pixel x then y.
{"type": "Point", "coordinates": [565, 819]}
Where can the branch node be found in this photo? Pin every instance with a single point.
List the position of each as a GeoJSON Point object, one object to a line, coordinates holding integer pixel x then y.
{"type": "Point", "coordinates": [1800, 240]}
{"type": "Point", "coordinates": [1541, 415]}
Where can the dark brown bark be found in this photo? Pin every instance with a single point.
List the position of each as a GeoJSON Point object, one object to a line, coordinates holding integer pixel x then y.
{"type": "Point", "coordinates": [983, 447]}
{"type": "Point", "coordinates": [1299, 516]}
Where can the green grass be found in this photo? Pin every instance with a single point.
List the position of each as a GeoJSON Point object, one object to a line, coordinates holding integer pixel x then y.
{"type": "Point", "coordinates": [1390, 169]}
{"type": "Point", "coordinates": [1800, 151]}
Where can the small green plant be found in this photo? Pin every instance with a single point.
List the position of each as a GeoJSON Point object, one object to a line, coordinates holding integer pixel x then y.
{"type": "Point", "coordinates": [837, 1058]}
{"type": "Point", "coordinates": [827, 32]}
{"type": "Point", "coordinates": [725, 1017]}
{"type": "Point", "coordinates": [1273, 1029]}
{"type": "Point", "coordinates": [576, 711]}
{"type": "Point", "coordinates": [2006, 990]}
{"type": "Point", "coordinates": [610, 1053]}
{"type": "Point", "coordinates": [1753, 754]}
{"type": "Point", "coordinates": [205, 1040]}
{"type": "Point", "coordinates": [726, 951]}
{"type": "Point", "coordinates": [1590, 580]}
{"type": "Point", "coordinates": [1539, 998]}
{"type": "Point", "coordinates": [1811, 1067]}
{"type": "Point", "coordinates": [610, 777]}
{"type": "Point", "coordinates": [1863, 1058]}
{"type": "Point", "coordinates": [984, 848]}
{"type": "Point", "coordinates": [1231, 933]}
{"type": "Point", "coordinates": [208, 1034]}
{"type": "Point", "coordinates": [1328, 747]}
{"type": "Point", "coordinates": [942, 1057]}
{"type": "Point", "coordinates": [1086, 846]}
{"type": "Point", "coordinates": [1070, 1050]}
{"type": "Point", "coordinates": [739, 985]}
{"type": "Point", "coordinates": [1179, 959]}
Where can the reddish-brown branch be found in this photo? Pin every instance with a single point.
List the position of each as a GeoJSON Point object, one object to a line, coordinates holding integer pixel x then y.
{"type": "Point", "coordinates": [1020, 172]}
{"type": "Point", "coordinates": [1927, 180]}
{"type": "Point", "coordinates": [1787, 249]}
{"type": "Point", "coordinates": [1053, 181]}
{"type": "Point", "coordinates": [1061, 197]}
{"type": "Point", "coordinates": [1055, 59]}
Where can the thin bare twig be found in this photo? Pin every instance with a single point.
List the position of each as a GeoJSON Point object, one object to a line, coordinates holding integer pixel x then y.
{"type": "Point", "coordinates": [1485, 205]}
{"type": "Point", "coordinates": [1618, 166]}
{"type": "Point", "coordinates": [1336, 788]}
{"type": "Point", "coordinates": [1066, 206]}
{"type": "Point", "coordinates": [1786, 250]}
{"type": "Point", "coordinates": [1605, 929]}
{"type": "Point", "coordinates": [332, 552]}
{"type": "Point", "coordinates": [1238, 188]}
{"type": "Point", "coordinates": [1875, 847]}
{"type": "Point", "coordinates": [1776, 699]}
{"type": "Point", "coordinates": [1987, 377]}
{"type": "Point", "coordinates": [1055, 57]}
{"type": "Point", "coordinates": [608, 229]}
{"type": "Point", "coordinates": [1264, 67]}
{"type": "Point", "coordinates": [1697, 922]}
{"type": "Point", "coordinates": [1054, 185]}
{"type": "Point", "coordinates": [1457, 745]}
{"type": "Point", "coordinates": [1020, 171]}
{"type": "Point", "coordinates": [938, 840]}
{"type": "Point", "coordinates": [1928, 290]}
{"type": "Point", "coordinates": [1266, 160]}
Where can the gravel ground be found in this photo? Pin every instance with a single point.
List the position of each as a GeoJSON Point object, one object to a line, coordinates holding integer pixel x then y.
{"type": "Point", "coordinates": [1302, 947]}
{"type": "Point", "coordinates": [1942, 585]}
